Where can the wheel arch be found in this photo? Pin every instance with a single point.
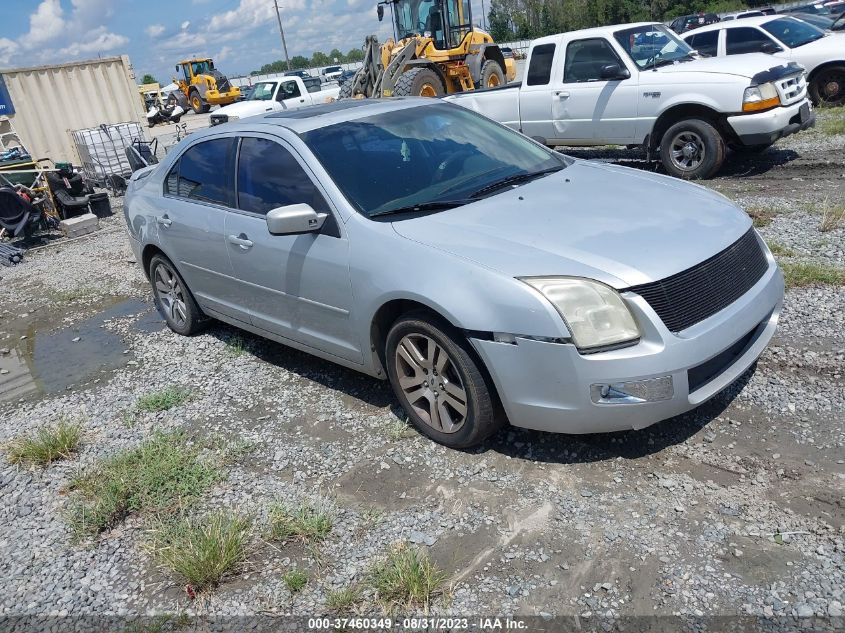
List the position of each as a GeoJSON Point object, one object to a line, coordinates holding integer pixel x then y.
{"type": "Point", "coordinates": [151, 250]}
{"type": "Point", "coordinates": [823, 66]}
{"type": "Point", "coordinates": [683, 111]}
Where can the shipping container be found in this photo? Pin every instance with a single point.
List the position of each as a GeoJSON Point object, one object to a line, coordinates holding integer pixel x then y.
{"type": "Point", "coordinates": [50, 102]}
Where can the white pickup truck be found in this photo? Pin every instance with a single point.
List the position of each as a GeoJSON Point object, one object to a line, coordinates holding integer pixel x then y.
{"type": "Point", "coordinates": [641, 85]}
{"type": "Point", "coordinates": [274, 95]}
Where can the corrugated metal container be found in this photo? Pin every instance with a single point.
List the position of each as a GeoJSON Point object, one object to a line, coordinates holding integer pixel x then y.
{"type": "Point", "coordinates": [52, 101]}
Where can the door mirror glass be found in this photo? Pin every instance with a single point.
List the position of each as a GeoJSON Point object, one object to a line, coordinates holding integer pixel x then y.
{"type": "Point", "coordinates": [294, 219]}
{"type": "Point", "coordinates": [380, 12]}
{"type": "Point", "coordinates": [614, 72]}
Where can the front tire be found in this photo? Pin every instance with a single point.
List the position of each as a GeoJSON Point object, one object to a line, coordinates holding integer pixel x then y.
{"type": "Point", "coordinates": [828, 86]}
{"type": "Point", "coordinates": [345, 90]}
{"type": "Point", "coordinates": [419, 82]}
{"type": "Point", "coordinates": [438, 382]}
{"type": "Point", "coordinates": [197, 104]}
{"type": "Point", "coordinates": [173, 298]}
{"type": "Point", "coordinates": [692, 149]}
{"type": "Point", "coordinates": [492, 75]}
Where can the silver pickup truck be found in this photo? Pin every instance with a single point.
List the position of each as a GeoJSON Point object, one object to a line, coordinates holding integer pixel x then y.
{"type": "Point", "coordinates": [641, 85]}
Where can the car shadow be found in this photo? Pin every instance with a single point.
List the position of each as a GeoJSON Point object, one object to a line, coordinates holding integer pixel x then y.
{"type": "Point", "coordinates": [737, 164]}
{"type": "Point", "coordinates": [511, 441]}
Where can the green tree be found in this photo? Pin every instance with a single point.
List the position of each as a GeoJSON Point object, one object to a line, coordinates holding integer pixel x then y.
{"type": "Point", "coordinates": [299, 62]}
{"type": "Point", "coordinates": [149, 79]}
{"type": "Point", "coordinates": [319, 58]}
{"type": "Point", "coordinates": [355, 55]}
{"type": "Point", "coordinates": [337, 57]}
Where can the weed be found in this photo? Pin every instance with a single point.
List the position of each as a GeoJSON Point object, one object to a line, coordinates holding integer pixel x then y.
{"type": "Point", "coordinates": [160, 475]}
{"type": "Point", "coordinates": [799, 274]}
{"type": "Point", "coordinates": [202, 551]}
{"type": "Point", "coordinates": [780, 250]}
{"type": "Point", "coordinates": [833, 215]}
{"type": "Point", "coordinates": [399, 430]}
{"type": "Point", "coordinates": [343, 600]}
{"type": "Point", "coordinates": [46, 445]}
{"type": "Point", "coordinates": [832, 121]}
{"type": "Point", "coordinates": [406, 578]}
{"type": "Point", "coordinates": [163, 400]}
{"type": "Point", "coordinates": [307, 523]}
{"type": "Point", "coordinates": [761, 216]}
{"type": "Point", "coordinates": [295, 580]}
{"type": "Point", "coordinates": [236, 345]}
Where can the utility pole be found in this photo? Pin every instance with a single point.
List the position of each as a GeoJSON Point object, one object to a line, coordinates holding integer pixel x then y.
{"type": "Point", "coordinates": [483, 17]}
{"type": "Point", "coordinates": [282, 32]}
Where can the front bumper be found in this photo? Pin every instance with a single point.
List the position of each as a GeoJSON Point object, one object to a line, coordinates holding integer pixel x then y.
{"type": "Point", "coordinates": [547, 386]}
{"type": "Point", "coordinates": [764, 128]}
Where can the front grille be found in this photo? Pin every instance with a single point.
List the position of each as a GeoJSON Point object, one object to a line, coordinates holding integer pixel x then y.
{"type": "Point", "coordinates": [697, 293]}
{"type": "Point", "coordinates": [792, 89]}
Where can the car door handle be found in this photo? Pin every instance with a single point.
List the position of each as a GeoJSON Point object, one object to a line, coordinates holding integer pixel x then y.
{"type": "Point", "coordinates": [240, 240]}
{"type": "Point", "coordinates": [302, 101]}
{"type": "Point", "coordinates": [164, 221]}
{"type": "Point", "coordinates": [560, 94]}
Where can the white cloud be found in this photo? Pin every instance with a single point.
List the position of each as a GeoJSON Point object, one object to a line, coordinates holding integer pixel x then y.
{"type": "Point", "coordinates": [7, 50]}
{"type": "Point", "coordinates": [97, 41]}
{"type": "Point", "coordinates": [224, 54]}
{"type": "Point", "coordinates": [154, 30]}
{"type": "Point", "coordinates": [45, 24]}
{"type": "Point", "coordinates": [185, 25]}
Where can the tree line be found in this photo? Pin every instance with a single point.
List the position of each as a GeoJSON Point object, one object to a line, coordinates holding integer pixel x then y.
{"type": "Point", "coordinates": [318, 58]}
{"type": "Point", "coordinates": [527, 19]}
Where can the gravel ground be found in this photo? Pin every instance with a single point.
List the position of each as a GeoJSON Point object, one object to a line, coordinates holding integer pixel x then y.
{"type": "Point", "coordinates": [734, 509]}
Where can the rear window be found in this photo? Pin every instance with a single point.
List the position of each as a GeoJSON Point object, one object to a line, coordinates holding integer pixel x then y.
{"type": "Point", "coordinates": [540, 67]}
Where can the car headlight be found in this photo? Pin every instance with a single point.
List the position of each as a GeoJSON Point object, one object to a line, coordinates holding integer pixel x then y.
{"type": "Point", "coordinates": [595, 313]}
{"type": "Point", "coordinates": [760, 97]}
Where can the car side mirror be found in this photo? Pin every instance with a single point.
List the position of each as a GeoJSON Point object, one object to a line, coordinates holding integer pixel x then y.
{"type": "Point", "coordinates": [612, 72]}
{"type": "Point", "coordinates": [294, 219]}
{"type": "Point", "coordinates": [380, 12]}
{"type": "Point", "coordinates": [770, 47]}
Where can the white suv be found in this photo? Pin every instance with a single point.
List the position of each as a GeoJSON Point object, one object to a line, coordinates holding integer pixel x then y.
{"type": "Point", "coordinates": [823, 55]}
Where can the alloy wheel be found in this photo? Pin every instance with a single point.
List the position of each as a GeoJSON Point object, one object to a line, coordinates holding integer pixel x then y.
{"type": "Point", "coordinates": [687, 151]}
{"type": "Point", "coordinates": [431, 383]}
{"type": "Point", "coordinates": [171, 295]}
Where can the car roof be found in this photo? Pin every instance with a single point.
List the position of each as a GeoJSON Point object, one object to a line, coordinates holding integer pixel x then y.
{"type": "Point", "coordinates": [309, 118]}
{"type": "Point", "coordinates": [735, 24]}
{"type": "Point", "coordinates": [598, 30]}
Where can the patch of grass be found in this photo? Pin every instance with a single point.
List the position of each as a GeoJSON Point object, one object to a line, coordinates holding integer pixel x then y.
{"type": "Point", "coordinates": [761, 216]}
{"type": "Point", "coordinates": [800, 274]}
{"type": "Point", "coordinates": [399, 430]}
{"type": "Point", "coordinates": [159, 624]}
{"type": "Point", "coordinates": [832, 121]}
{"type": "Point", "coordinates": [163, 400]}
{"type": "Point", "coordinates": [236, 450]}
{"type": "Point", "coordinates": [833, 215]}
{"type": "Point", "coordinates": [46, 445]}
{"type": "Point", "coordinates": [295, 580]}
{"type": "Point", "coordinates": [160, 475]}
{"type": "Point", "coordinates": [405, 578]}
{"type": "Point", "coordinates": [306, 523]}
{"type": "Point", "coordinates": [779, 250]}
{"type": "Point", "coordinates": [202, 551]}
{"type": "Point", "coordinates": [72, 295]}
{"type": "Point", "coordinates": [343, 600]}
{"type": "Point", "coordinates": [236, 345]}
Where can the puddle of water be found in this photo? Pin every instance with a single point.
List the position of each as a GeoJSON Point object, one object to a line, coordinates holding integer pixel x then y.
{"type": "Point", "coordinates": [52, 362]}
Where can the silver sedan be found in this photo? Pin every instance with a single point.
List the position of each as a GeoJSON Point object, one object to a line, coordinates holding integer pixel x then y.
{"type": "Point", "coordinates": [486, 277]}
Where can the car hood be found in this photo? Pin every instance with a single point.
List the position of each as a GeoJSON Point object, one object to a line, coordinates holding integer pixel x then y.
{"type": "Point", "coordinates": [746, 65]}
{"type": "Point", "coordinates": [243, 109]}
{"type": "Point", "coordinates": [618, 225]}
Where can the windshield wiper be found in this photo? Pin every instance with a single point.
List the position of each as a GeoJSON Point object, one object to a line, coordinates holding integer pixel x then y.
{"type": "Point", "coordinates": [514, 180]}
{"type": "Point", "coordinates": [434, 205]}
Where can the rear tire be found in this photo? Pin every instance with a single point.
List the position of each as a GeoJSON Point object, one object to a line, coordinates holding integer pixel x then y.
{"type": "Point", "coordinates": [692, 149]}
{"type": "Point", "coordinates": [492, 75]}
{"type": "Point", "coordinates": [419, 82]}
{"type": "Point", "coordinates": [173, 298]}
{"type": "Point", "coordinates": [828, 86]}
{"type": "Point", "coordinates": [439, 383]}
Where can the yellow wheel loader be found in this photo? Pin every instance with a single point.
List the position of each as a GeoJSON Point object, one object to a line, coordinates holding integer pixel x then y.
{"type": "Point", "coordinates": [203, 86]}
{"type": "Point", "coordinates": [435, 50]}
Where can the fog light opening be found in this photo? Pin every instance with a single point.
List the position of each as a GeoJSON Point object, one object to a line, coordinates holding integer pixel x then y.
{"type": "Point", "coordinates": [633, 392]}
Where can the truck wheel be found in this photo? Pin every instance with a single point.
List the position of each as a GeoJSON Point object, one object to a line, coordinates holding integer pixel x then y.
{"type": "Point", "coordinates": [438, 381]}
{"type": "Point", "coordinates": [197, 104]}
{"type": "Point", "coordinates": [419, 82]}
{"type": "Point", "coordinates": [828, 86]}
{"type": "Point", "coordinates": [345, 90]}
{"type": "Point", "coordinates": [492, 75]}
{"type": "Point", "coordinates": [692, 149]}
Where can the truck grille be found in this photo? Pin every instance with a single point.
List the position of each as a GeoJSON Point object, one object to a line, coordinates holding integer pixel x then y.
{"type": "Point", "coordinates": [697, 293]}
{"type": "Point", "coordinates": [792, 89]}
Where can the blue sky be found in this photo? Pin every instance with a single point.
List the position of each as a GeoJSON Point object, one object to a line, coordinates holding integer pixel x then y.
{"type": "Point", "coordinates": [241, 35]}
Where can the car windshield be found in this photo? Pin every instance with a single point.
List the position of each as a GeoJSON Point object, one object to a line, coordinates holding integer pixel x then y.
{"type": "Point", "coordinates": [263, 91]}
{"type": "Point", "coordinates": [793, 32]}
{"type": "Point", "coordinates": [653, 45]}
{"type": "Point", "coordinates": [425, 156]}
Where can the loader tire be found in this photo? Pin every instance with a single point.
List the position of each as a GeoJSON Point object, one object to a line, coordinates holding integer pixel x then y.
{"type": "Point", "coordinates": [492, 75]}
{"type": "Point", "coordinates": [198, 105]}
{"type": "Point", "coordinates": [419, 82]}
{"type": "Point", "coordinates": [345, 90]}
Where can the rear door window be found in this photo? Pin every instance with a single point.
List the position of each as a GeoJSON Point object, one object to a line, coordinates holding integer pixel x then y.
{"type": "Point", "coordinates": [540, 67]}
{"type": "Point", "coordinates": [705, 43]}
{"type": "Point", "coordinates": [204, 173]}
